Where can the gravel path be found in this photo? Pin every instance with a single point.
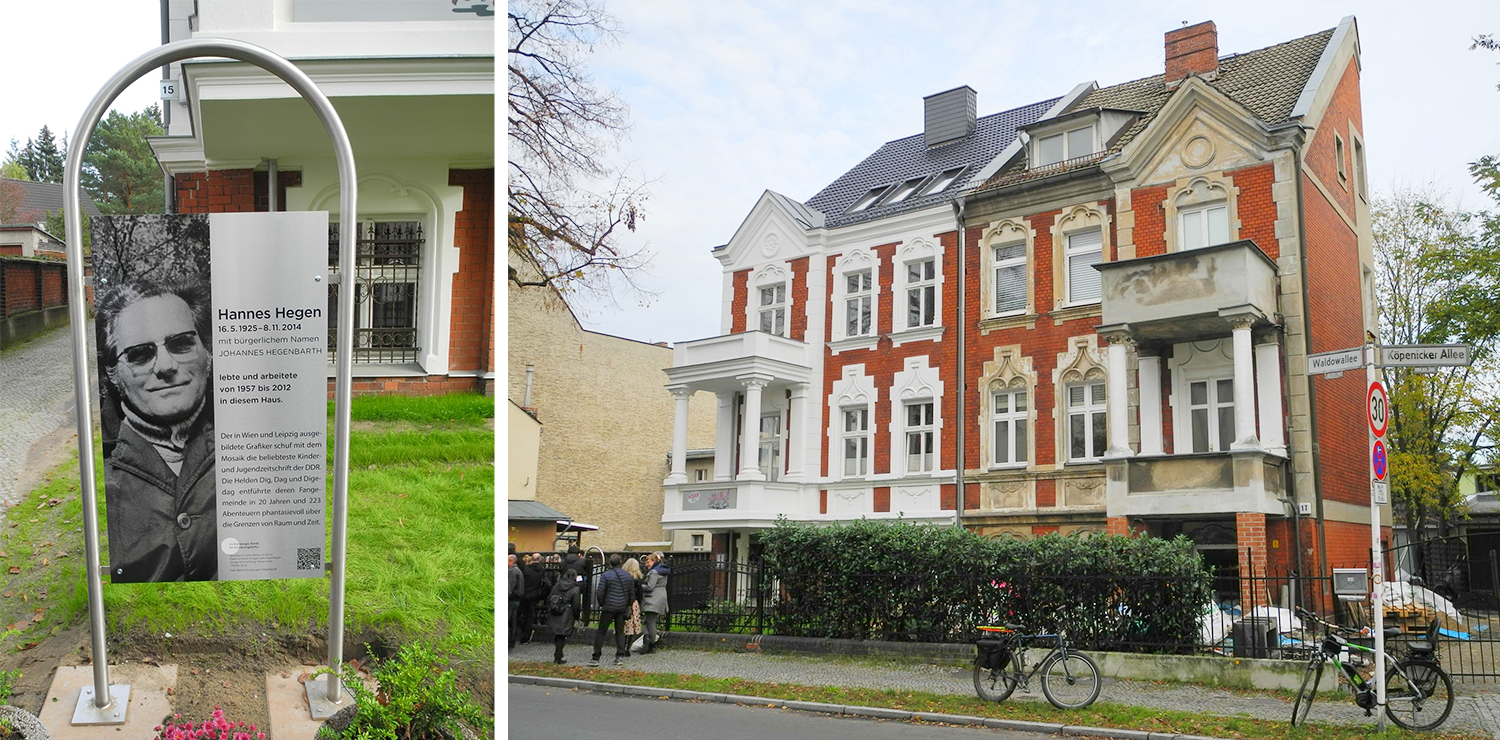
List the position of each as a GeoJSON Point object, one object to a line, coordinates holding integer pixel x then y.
{"type": "Point", "coordinates": [36, 399]}
{"type": "Point", "coordinates": [1470, 713]}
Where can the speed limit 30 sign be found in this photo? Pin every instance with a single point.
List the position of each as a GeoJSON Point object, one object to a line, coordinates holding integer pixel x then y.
{"type": "Point", "coordinates": [1380, 409]}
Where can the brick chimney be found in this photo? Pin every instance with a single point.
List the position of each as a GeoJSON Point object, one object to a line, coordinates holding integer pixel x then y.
{"type": "Point", "coordinates": [1192, 49]}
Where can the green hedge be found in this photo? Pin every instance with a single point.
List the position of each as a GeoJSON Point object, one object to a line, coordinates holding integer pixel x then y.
{"type": "Point", "coordinates": [883, 580]}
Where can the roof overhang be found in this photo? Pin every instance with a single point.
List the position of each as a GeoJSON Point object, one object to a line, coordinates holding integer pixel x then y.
{"type": "Point", "coordinates": [440, 108]}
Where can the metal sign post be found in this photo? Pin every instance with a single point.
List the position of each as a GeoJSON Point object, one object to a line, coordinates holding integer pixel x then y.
{"type": "Point", "coordinates": [1380, 417]}
{"type": "Point", "coordinates": [102, 703]}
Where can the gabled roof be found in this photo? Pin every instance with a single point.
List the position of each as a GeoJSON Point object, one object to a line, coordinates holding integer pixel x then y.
{"type": "Point", "coordinates": [1267, 82]}
{"type": "Point", "coordinates": [44, 197]}
{"type": "Point", "coordinates": [904, 159]}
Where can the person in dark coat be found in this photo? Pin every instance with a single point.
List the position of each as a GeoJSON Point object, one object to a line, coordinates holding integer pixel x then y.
{"type": "Point", "coordinates": [575, 560]}
{"type": "Point", "coordinates": [535, 593]}
{"type": "Point", "coordinates": [515, 585]}
{"type": "Point", "coordinates": [570, 590]}
{"type": "Point", "coordinates": [616, 593]}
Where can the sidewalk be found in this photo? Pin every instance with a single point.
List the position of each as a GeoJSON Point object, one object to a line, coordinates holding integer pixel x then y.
{"type": "Point", "coordinates": [36, 409]}
{"type": "Point", "coordinates": [1471, 713]}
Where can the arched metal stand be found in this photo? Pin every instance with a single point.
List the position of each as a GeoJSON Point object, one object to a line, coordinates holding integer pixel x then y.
{"type": "Point", "coordinates": [102, 704]}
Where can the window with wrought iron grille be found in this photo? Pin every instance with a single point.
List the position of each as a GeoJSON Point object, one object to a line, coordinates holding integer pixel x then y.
{"type": "Point", "coordinates": [386, 278]}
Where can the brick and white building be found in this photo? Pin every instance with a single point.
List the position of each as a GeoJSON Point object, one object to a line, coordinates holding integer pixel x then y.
{"type": "Point", "coordinates": [1145, 268]}
{"type": "Point", "coordinates": [414, 83]}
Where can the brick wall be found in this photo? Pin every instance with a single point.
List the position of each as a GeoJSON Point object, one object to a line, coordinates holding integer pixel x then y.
{"type": "Point", "coordinates": [740, 303]}
{"type": "Point", "coordinates": [231, 191]}
{"type": "Point", "coordinates": [797, 308]}
{"type": "Point", "coordinates": [1148, 204]}
{"type": "Point", "coordinates": [1320, 153]}
{"type": "Point", "coordinates": [471, 338]}
{"type": "Point", "coordinates": [31, 284]}
{"type": "Point", "coordinates": [1257, 211]}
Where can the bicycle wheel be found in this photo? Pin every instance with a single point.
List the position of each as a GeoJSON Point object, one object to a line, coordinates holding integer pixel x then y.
{"type": "Point", "coordinates": [1070, 681]}
{"type": "Point", "coordinates": [1304, 701]}
{"type": "Point", "coordinates": [1418, 694]}
{"type": "Point", "coordinates": [994, 684]}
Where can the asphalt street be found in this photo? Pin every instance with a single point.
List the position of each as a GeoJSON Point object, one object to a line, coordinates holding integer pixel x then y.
{"type": "Point", "coordinates": [543, 713]}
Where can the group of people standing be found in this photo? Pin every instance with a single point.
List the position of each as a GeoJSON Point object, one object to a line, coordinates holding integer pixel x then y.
{"type": "Point", "coordinates": [628, 597]}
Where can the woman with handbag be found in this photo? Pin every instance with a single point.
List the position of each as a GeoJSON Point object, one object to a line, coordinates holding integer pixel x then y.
{"type": "Point", "coordinates": [633, 623]}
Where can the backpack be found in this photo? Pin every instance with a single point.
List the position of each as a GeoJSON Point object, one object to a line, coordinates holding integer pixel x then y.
{"type": "Point", "coordinates": [556, 604]}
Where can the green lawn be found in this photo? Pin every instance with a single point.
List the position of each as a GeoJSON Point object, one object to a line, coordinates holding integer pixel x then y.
{"type": "Point", "coordinates": [421, 545]}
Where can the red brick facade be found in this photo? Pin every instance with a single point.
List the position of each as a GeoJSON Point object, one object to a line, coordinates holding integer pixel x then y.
{"type": "Point", "coordinates": [33, 284]}
{"type": "Point", "coordinates": [471, 333]}
{"type": "Point", "coordinates": [471, 326]}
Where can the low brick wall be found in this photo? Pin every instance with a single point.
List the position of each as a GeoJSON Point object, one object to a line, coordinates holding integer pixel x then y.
{"type": "Point", "coordinates": [1207, 670]}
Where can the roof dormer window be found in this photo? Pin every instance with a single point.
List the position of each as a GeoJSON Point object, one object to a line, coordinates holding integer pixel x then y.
{"type": "Point", "coordinates": [868, 199]}
{"type": "Point", "coordinates": [1078, 142]}
{"type": "Point", "coordinates": [903, 191]}
{"type": "Point", "coordinates": [940, 182]}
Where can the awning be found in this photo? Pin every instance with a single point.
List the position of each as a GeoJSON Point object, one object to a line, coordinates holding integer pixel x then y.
{"type": "Point", "coordinates": [535, 511]}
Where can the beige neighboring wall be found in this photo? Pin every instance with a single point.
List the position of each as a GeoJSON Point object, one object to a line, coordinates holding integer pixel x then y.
{"type": "Point", "coordinates": [522, 453]}
{"type": "Point", "coordinates": [606, 420]}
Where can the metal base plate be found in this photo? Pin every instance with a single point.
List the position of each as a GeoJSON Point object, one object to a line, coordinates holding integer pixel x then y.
{"type": "Point", "coordinates": [317, 698]}
{"type": "Point", "coordinates": [112, 714]}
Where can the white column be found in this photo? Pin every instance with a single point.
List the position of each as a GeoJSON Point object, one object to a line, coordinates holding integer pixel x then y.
{"type": "Point", "coordinates": [1244, 387]}
{"type": "Point", "coordinates": [1149, 383]}
{"type": "Point", "coordinates": [1268, 393]}
{"type": "Point", "coordinates": [724, 438]}
{"type": "Point", "coordinates": [750, 433]}
{"type": "Point", "coordinates": [679, 437]}
{"type": "Point", "coordinates": [796, 436]}
{"type": "Point", "coordinates": [1118, 398]}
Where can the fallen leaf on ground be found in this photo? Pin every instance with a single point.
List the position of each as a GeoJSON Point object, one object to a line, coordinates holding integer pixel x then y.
{"type": "Point", "coordinates": [14, 569]}
{"type": "Point", "coordinates": [4, 554]}
{"type": "Point", "coordinates": [28, 646]}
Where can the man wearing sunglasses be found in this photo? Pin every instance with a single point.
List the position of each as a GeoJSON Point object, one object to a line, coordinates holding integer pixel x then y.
{"type": "Point", "coordinates": [159, 473]}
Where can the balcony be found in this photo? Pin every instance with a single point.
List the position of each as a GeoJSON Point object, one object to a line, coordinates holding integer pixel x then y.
{"type": "Point", "coordinates": [1196, 484]}
{"type": "Point", "coordinates": [1189, 295]}
{"type": "Point", "coordinates": [708, 364]}
{"type": "Point", "coordinates": [736, 504]}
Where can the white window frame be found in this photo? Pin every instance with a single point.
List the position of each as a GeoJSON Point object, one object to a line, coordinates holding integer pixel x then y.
{"type": "Point", "coordinates": [860, 435]}
{"type": "Point", "coordinates": [1088, 410]}
{"type": "Point", "coordinates": [859, 305]}
{"type": "Point", "coordinates": [774, 308]}
{"type": "Point", "coordinates": [997, 264]}
{"type": "Point", "coordinates": [1017, 449]}
{"type": "Point", "coordinates": [902, 191]}
{"type": "Point", "coordinates": [868, 199]}
{"type": "Point", "coordinates": [1339, 153]}
{"type": "Point", "coordinates": [1204, 231]}
{"type": "Point", "coordinates": [1070, 251]}
{"type": "Point", "coordinates": [924, 287]}
{"type": "Point", "coordinates": [778, 439]}
{"type": "Point", "coordinates": [1064, 138]}
{"type": "Point", "coordinates": [923, 431]}
{"type": "Point", "coordinates": [1208, 360]}
{"type": "Point", "coordinates": [1213, 405]}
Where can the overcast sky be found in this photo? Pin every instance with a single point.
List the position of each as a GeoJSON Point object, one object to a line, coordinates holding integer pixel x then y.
{"type": "Point", "coordinates": [58, 54]}
{"type": "Point", "coordinates": [732, 98]}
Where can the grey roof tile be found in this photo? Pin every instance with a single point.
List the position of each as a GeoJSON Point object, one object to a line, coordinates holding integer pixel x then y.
{"type": "Point", "coordinates": [47, 197]}
{"type": "Point", "coordinates": [1266, 81]}
{"type": "Point", "coordinates": [904, 159]}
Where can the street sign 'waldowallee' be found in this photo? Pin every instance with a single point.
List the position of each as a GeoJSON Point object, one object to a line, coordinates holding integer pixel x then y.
{"type": "Point", "coordinates": [167, 323]}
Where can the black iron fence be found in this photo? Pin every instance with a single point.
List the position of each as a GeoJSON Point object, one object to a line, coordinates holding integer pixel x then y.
{"type": "Point", "coordinates": [1249, 613]}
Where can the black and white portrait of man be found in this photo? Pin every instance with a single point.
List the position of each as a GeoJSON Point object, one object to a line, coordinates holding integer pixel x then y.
{"type": "Point", "coordinates": [156, 366]}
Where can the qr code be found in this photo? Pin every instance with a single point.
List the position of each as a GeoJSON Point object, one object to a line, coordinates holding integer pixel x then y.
{"type": "Point", "coordinates": [309, 558]}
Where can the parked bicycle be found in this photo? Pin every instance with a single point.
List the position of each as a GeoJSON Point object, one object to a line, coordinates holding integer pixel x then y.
{"type": "Point", "coordinates": [1069, 679]}
{"type": "Point", "coordinates": [1418, 694]}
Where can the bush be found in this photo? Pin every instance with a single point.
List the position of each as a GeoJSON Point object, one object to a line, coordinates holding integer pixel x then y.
{"type": "Point", "coordinates": [417, 700]}
{"type": "Point", "coordinates": [881, 580]}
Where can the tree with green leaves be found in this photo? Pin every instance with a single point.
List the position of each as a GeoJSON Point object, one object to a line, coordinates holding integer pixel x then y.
{"type": "Point", "coordinates": [568, 205]}
{"type": "Point", "coordinates": [1443, 423]}
{"type": "Point", "coordinates": [119, 170]}
{"type": "Point", "coordinates": [42, 157]}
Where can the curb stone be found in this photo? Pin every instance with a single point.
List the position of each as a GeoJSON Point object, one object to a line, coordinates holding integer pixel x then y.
{"type": "Point", "coordinates": [1050, 728]}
